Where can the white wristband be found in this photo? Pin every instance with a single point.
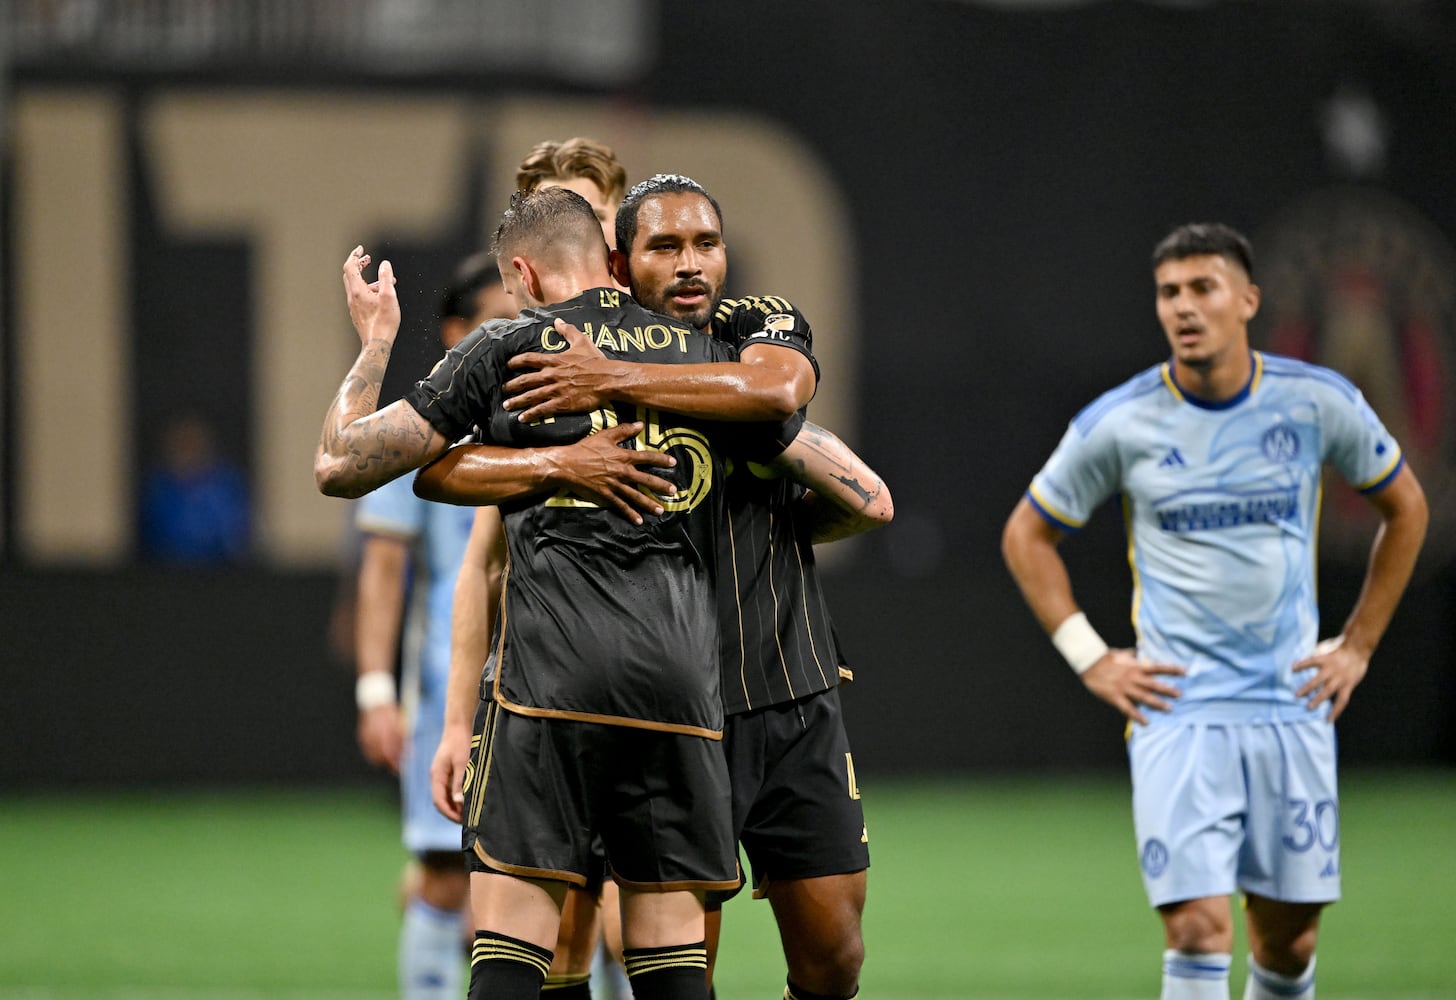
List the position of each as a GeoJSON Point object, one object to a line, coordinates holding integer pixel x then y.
{"type": "Point", "coordinates": [374, 689]}
{"type": "Point", "coordinates": [1078, 642]}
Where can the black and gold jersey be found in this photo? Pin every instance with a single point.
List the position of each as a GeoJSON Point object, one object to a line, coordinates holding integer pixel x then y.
{"type": "Point", "coordinates": [603, 620]}
{"type": "Point", "coordinates": [764, 319]}
{"type": "Point", "coordinates": [778, 641]}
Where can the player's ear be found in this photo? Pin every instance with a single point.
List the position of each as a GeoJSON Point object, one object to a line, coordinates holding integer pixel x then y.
{"type": "Point", "coordinates": [617, 264]}
{"type": "Point", "coordinates": [1250, 307]}
{"type": "Point", "coordinates": [530, 280]}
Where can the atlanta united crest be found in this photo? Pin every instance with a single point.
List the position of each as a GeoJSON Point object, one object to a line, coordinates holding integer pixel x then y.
{"type": "Point", "coordinates": [1280, 444]}
{"type": "Point", "coordinates": [1358, 281]}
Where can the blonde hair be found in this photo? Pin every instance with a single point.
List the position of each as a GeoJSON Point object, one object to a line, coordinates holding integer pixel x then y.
{"type": "Point", "coordinates": [575, 157]}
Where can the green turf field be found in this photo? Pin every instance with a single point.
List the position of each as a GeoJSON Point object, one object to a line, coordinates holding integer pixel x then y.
{"type": "Point", "coordinates": [984, 889]}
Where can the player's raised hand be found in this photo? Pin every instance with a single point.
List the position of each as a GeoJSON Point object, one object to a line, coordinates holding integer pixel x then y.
{"type": "Point", "coordinates": [599, 469]}
{"type": "Point", "coordinates": [381, 736]}
{"type": "Point", "coordinates": [1338, 669]}
{"type": "Point", "coordinates": [373, 305]}
{"type": "Point", "coordinates": [575, 380]}
{"type": "Point", "coordinates": [447, 772]}
{"type": "Point", "coordinates": [1130, 684]}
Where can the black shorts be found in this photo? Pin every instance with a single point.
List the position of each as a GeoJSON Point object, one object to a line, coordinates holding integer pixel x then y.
{"type": "Point", "coordinates": [596, 874]}
{"type": "Point", "coordinates": [796, 807]}
{"type": "Point", "coordinates": [537, 791]}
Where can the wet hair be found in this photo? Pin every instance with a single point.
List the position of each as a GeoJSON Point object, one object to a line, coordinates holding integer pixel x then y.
{"type": "Point", "coordinates": [549, 223]}
{"type": "Point", "coordinates": [472, 276]}
{"type": "Point", "coordinates": [653, 186]}
{"type": "Point", "coordinates": [1206, 239]}
{"type": "Point", "coordinates": [571, 158]}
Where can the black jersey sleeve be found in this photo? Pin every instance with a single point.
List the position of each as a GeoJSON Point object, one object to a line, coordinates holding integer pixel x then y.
{"type": "Point", "coordinates": [761, 441]}
{"type": "Point", "coordinates": [463, 388]}
{"type": "Point", "coordinates": [765, 319]}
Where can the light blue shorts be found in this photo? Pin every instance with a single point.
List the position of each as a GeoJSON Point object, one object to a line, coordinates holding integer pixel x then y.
{"type": "Point", "coordinates": [425, 827]}
{"type": "Point", "coordinates": [1253, 807]}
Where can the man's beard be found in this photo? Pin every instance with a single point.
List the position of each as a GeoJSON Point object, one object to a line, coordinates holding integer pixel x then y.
{"type": "Point", "coordinates": [699, 316]}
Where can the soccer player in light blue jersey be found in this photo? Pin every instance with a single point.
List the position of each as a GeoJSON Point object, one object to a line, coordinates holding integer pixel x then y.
{"type": "Point", "coordinates": [411, 553]}
{"type": "Point", "coordinates": [1231, 696]}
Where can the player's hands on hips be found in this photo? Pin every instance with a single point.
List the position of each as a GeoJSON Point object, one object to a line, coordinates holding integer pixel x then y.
{"type": "Point", "coordinates": [1130, 684]}
{"type": "Point", "coordinates": [381, 736]}
{"type": "Point", "coordinates": [575, 380]}
{"type": "Point", "coordinates": [373, 305]}
{"type": "Point", "coordinates": [1338, 668]}
{"type": "Point", "coordinates": [599, 469]}
{"type": "Point", "coordinates": [447, 772]}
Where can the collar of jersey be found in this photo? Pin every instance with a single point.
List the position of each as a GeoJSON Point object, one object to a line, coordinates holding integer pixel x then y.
{"type": "Point", "coordinates": [1182, 394]}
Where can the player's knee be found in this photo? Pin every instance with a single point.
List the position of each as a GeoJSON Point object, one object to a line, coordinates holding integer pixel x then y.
{"type": "Point", "coordinates": [827, 962]}
{"type": "Point", "coordinates": [443, 883]}
{"type": "Point", "coordinates": [1290, 959]}
{"type": "Point", "coordinates": [850, 958]}
{"type": "Point", "coordinates": [1287, 946]}
{"type": "Point", "coordinates": [1196, 928]}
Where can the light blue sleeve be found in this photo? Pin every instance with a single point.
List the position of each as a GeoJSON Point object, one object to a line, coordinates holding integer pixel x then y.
{"type": "Point", "coordinates": [1356, 442]}
{"type": "Point", "coordinates": [393, 510]}
{"type": "Point", "coordinates": [1083, 471]}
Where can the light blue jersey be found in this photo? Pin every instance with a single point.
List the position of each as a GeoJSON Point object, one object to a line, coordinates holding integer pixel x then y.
{"type": "Point", "coordinates": [1221, 502]}
{"type": "Point", "coordinates": [437, 534]}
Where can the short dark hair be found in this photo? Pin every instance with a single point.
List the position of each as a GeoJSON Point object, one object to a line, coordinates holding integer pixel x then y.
{"type": "Point", "coordinates": [548, 219]}
{"type": "Point", "coordinates": [1206, 239]}
{"type": "Point", "coordinates": [650, 188]}
{"type": "Point", "coordinates": [472, 275]}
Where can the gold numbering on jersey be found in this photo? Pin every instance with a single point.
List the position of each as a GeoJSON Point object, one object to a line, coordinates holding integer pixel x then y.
{"type": "Point", "coordinates": [693, 447]}
{"type": "Point", "coordinates": [693, 455]}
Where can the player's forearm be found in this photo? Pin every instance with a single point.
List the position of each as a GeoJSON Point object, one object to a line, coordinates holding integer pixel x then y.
{"type": "Point", "coordinates": [470, 625]}
{"type": "Point", "coordinates": [478, 475]}
{"type": "Point", "coordinates": [380, 609]}
{"type": "Point", "coordinates": [729, 390]}
{"type": "Point", "coordinates": [472, 618]}
{"type": "Point", "coordinates": [848, 497]}
{"type": "Point", "coordinates": [1393, 557]}
{"type": "Point", "coordinates": [360, 449]}
{"type": "Point", "coordinates": [829, 522]}
{"type": "Point", "coordinates": [1029, 548]}
{"type": "Point", "coordinates": [358, 397]}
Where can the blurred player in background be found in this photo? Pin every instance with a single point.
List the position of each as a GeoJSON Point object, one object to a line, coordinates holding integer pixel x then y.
{"type": "Point", "coordinates": [796, 804]}
{"type": "Point", "coordinates": [194, 506]}
{"type": "Point", "coordinates": [411, 552]}
{"type": "Point", "coordinates": [1218, 454]}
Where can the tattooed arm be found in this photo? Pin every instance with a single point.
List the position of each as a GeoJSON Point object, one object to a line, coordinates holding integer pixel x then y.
{"type": "Point", "coordinates": [360, 449]}
{"type": "Point", "coordinates": [848, 498]}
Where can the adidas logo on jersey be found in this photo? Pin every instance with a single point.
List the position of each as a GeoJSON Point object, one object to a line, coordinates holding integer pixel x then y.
{"type": "Point", "coordinates": [1330, 870]}
{"type": "Point", "coordinates": [1173, 458]}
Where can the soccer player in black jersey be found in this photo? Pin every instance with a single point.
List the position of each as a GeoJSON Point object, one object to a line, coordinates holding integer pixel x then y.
{"type": "Point", "coordinates": [605, 713]}
{"type": "Point", "coordinates": [796, 804]}
{"type": "Point", "coordinates": [591, 919]}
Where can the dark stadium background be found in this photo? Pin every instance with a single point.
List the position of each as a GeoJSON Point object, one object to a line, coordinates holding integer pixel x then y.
{"type": "Point", "coordinates": [1004, 169]}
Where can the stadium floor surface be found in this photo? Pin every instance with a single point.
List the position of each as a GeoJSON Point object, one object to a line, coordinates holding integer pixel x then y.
{"type": "Point", "coordinates": [985, 889]}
